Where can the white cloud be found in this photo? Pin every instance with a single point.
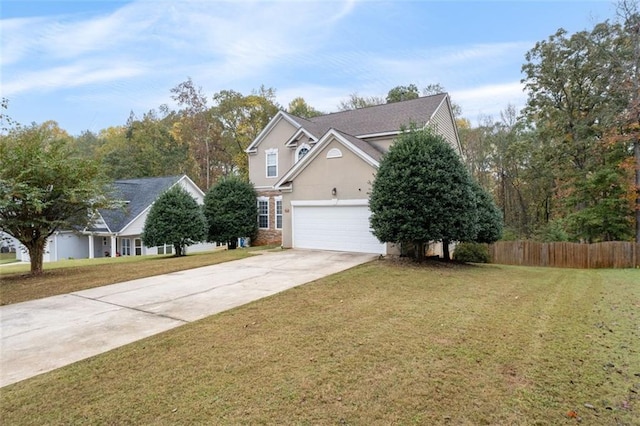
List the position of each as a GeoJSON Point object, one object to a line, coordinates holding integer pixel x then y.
{"type": "Point", "coordinates": [460, 55]}
{"type": "Point", "coordinates": [489, 99]}
{"type": "Point", "coordinates": [78, 74]}
{"type": "Point", "coordinates": [222, 41]}
{"type": "Point", "coordinates": [127, 25]}
{"type": "Point", "coordinates": [458, 68]}
{"type": "Point", "coordinates": [19, 37]}
{"type": "Point", "coordinates": [322, 98]}
{"type": "Point", "coordinates": [445, 64]}
{"type": "Point", "coordinates": [131, 56]}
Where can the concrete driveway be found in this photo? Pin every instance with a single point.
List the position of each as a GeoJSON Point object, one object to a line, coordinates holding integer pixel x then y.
{"type": "Point", "coordinates": [45, 334]}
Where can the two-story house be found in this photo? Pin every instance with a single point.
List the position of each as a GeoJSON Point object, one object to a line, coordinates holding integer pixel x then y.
{"type": "Point", "coordinates": [313, 176]}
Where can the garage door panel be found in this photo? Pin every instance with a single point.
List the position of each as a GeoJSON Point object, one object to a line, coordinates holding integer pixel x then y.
{"type": "Point", "coordinates": [340, 228]}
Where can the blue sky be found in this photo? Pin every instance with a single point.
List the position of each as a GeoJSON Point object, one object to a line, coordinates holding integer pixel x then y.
{"type": "Point", "coordinates": [88, 64]}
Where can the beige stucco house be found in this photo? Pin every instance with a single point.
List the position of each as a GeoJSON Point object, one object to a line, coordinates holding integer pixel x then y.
{"type": "Point", "coordinates": [313, 176]}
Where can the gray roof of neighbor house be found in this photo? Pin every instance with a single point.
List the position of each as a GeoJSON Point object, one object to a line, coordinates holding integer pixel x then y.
{"type": "Point", "coordinates": [137, 195]}
{"type": "Point", "coordinates": [383, 118]}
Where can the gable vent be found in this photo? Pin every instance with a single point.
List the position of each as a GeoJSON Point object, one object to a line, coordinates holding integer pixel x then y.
{"type": "Point", "coordinates": [334, 153]}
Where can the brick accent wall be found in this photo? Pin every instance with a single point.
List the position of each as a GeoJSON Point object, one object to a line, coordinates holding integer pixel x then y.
{"type": "Point", "coordinates": [271, 235]}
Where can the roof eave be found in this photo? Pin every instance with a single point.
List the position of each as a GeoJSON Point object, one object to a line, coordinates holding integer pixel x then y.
{"type": "Point", "coordinates": [301, 130]}
{"type": "Point", "coordinates": [377, 135]}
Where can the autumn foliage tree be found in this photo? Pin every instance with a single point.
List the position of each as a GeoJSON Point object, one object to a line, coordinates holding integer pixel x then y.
{"type": "Point", "coordinates": [572, 106]}
{"type": "Point", "coordinates": [300, 108]}
{"type": "Point", "coordinates": [200, 130]}
{"type": "Point", "coordinates": [45, 187]}
{"type": "Point", "coordinates": [242, 118]}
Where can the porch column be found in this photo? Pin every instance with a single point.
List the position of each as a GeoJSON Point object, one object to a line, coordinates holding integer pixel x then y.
{"type": "Point", "coordinates": [91, 256]}
{"type": "Point", "coordinates": [114, 247]}
{"type": "Point", "coordinates": [55, 246]}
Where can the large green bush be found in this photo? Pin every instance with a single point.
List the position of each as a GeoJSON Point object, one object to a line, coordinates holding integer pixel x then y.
{"type": "Point", "coordinates": [231, 210]}
{"type": "Point", "coordinates": [422, 192]}
{"type": "Point", "coordinates": [175, 218]}
{"type": "Point", "coordinates": [472, 253]}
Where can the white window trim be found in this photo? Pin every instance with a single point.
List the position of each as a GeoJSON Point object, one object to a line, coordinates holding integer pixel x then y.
{"type": "Point", "coordinates": [263, 199]}
{"type": "Point", "coordinates": [136, 247]}
{"type": "Point", "coordinates": [267, 153]}
{"type": "Point", "coordinates": [278, 200]}
{"type": "Point", "coordinates": [166, 249]}
{"type": "Point", "coordinates": [300, 148]}
{"type": "Point", "coordinates": [125, 247]}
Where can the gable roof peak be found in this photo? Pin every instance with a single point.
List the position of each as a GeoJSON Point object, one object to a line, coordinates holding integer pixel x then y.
{"type": "Point", "coordinates": [138, 194]}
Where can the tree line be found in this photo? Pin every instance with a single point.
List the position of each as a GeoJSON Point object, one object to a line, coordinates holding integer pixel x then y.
{"type": "Point", "coordinates": [567, 167]}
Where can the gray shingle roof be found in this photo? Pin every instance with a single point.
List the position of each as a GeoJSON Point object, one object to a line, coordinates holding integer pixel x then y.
{"type": "Point", "coordinates": [138, 194]}
{"type": "Point", "coordinates": [380, 118]}
{"type": "Point", "coordinates": [365, 147]}
{"type": "Point", "coordinates": [316, 129]}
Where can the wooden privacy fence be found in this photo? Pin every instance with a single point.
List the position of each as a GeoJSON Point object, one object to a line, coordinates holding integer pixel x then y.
{"type": "Point", "coordinates": [614, 254]}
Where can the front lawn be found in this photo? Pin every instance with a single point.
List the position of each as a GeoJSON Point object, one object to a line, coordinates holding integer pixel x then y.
{"type": "Point", "coordinates": [384, 343]}
{"type": "Point", "coordinates": [7, 258]}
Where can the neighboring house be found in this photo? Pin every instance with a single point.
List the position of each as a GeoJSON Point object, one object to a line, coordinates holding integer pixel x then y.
{"type": "Point", "coordinates": [117, 232]}
{"type": "Point", "coordinates": [313, 176]}
{"type": "Point", "coordinates": [8, 244]}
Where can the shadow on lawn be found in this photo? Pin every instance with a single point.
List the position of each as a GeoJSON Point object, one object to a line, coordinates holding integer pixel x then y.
{"type": "Point", "coordinates": [432, 262]}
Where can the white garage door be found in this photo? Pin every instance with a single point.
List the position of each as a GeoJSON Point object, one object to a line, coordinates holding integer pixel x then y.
{"type": "Point", "coordinates": [340, 228]}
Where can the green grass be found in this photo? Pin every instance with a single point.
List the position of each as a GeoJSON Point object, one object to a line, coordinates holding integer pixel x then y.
{"type": "Point", "coordinates": [383, 343]}
{"type": "Point", "coordinates": [16, 285]}
{"type": "Point", "coordinates": [7, 258]}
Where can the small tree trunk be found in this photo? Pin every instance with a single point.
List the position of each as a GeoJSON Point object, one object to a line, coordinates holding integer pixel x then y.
{"type": "Point", "coordinates": [419, 250]}
{"type": "Point", "coordinates": [445, 250]}
{"type": "Point", "coordinates": [177, 249]}
{"type": "Point", "coordinates": [636, 152]}
{"type": "Point", "coordinates": [36, 254]}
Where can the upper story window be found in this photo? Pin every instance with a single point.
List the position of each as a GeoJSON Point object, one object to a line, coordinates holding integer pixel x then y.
{"type": "Point", "coordinates": [272, 162]}
{"type": "Point", "coordinates": [302, 151]}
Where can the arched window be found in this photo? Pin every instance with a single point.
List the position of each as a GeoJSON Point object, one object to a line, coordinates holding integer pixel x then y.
{"type": "Point", "coordinates": [302, 151]}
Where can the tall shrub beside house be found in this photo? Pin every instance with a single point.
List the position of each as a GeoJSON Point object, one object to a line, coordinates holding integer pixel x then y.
{"type": "Point", "coordinates": [490, 226]}
{"type": "Point", "coordinates": [490, 221]}
{"type": "Point", "coordinates": [175, 218]}
{"type": "Point", "coordinates": [422, 192]}
{"type": "Point", "coordinates": [231, 210]}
